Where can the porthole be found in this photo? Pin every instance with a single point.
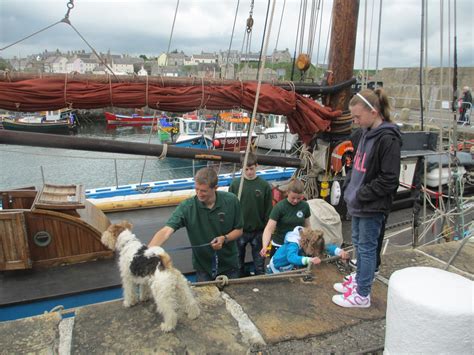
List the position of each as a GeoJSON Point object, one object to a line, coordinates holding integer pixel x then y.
{"type": "Point", "coordinates": [42, 239]}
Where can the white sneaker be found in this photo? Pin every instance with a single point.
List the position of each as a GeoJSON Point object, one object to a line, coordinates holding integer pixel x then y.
{"type": "Point", "coordinates": [349, 283]}
{"type": "Point", "coordinates": [352, 299]}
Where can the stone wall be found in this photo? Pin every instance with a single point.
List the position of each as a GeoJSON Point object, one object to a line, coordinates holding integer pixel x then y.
{"type": "Point", "coordinates": [402, 85]}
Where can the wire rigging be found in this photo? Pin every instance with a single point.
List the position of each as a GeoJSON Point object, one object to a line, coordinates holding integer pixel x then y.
{"type": "Point", "coordinates": [231, 38]}
{"type": "Point", "coordinates": [172, 31]}
{"type": "Point", "coordinates": [257, 93]}
{"type": "Point", "coordinates": [66, 20]}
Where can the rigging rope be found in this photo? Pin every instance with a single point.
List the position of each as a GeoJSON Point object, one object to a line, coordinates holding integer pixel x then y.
{"type": "Point", "coordinates": [364, 79]}
{"type": "Point", "coordinates": [171, 34]}
{"type": "Point", "coordinates": [165, 147]}
{"type": "Point", "coordinates": [303, 25]}
{"type": "Point", "coordinates": [31, 35]}
{"type": "Point", "coordinates": [320, 31]}
{"type": "Point", "coordinates": [327, 39]}
{"type": "Point", "coordinates": [296, 41]}
{"type": "Point", "coordinates": [257, 94]}
{"type": "Point", "coordinates": [370, 38]}
{"type": "Point", "coordinates": [279, 29]}
{"type": "Point", "coordinates": [378, 38]}
{"type": "Point", "coordinates": [231, 38]}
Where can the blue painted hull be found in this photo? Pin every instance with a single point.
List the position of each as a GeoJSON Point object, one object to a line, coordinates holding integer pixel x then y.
{"type": "Point", "coordinates": [197, 142]}
{"type": "Point", "coordinates": [181, 184]}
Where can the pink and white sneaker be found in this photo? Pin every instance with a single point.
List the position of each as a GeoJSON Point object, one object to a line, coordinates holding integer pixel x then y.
{"type": "Point", "coordinates": [348, 284]}
{"type": "Point", "coordinates": [352, 299]}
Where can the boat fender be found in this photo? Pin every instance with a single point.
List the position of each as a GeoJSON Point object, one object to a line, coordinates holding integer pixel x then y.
{"type": "Point", "coordinates": [335, 193]}
{"type": "Point", "coordinates": [303, 62]}
{"type": "Point", "coordinates": [339, 154]}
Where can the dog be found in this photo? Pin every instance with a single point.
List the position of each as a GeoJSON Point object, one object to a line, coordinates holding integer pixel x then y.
{"type": "Point", "coordinates": [152, 271]}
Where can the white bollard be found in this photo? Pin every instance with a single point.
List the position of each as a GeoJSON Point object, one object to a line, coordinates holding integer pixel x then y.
{"type": "Point", "coordinates": [429, 311]}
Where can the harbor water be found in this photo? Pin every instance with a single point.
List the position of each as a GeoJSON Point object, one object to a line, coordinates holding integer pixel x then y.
{"type": "Point", "coordinates": [23, 166]}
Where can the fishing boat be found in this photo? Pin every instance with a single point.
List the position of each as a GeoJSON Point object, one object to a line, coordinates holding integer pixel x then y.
{"type": "Point", "coordinates": [192, 134]}
{"type": "Point", "coordinates": [136, 120]}
{"type": "Point", "coordinates": [274, 134]}
{"type": "Point", "coordinates": [232, 134]}
{"type": "Point", "coordinates": [55, 122]}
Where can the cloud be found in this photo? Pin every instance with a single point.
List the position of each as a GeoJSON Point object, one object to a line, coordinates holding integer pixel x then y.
{"type": "Point", "coordinates": [144, 27]}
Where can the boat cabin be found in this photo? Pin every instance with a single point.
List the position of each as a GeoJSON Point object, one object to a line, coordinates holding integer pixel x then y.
{"type": "Point", "coordinates": [191, 127]}
{"type": "Point", "coordinates": [51, 227]}
{"type": "Point", "coordinates": [234, 122]}
{"type": "Point", "coordinates": [272, 120]}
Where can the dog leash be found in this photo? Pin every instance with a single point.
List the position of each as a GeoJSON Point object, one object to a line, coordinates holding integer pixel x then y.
{"type": "Point", "coordinates": [189, 247]}
{"type": "Point", "coordinates": [215, 258]}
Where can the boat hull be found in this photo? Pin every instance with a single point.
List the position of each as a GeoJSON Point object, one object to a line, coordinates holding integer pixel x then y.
{"type": "Point", "coordinates": [114, 120]}
{"type": "Point", "coordinates": [277, 141]}
{"type": "Point", "coordinates": [200, 142]}
{"type": "Point", "coordinates": [231, 143]}
{"type": "Point", "coordinates": [45, 127]}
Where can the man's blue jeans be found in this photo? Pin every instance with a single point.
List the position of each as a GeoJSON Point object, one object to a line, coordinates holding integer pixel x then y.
{"type": "Point", "coordinates": [255, 241]}
{"type": "Point", "coordinates": [365, 234]}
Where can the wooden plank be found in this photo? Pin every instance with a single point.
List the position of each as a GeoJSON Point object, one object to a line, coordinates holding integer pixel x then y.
{"type": "Point", "coordinates": [57, 197]}
{"type": "Point", "coordinates": [3, 231]}
{"type": "Point", "coordinates": [13, 241]}
{"type": "Point", "coordinates": [106, 254]}
{"type": "Point", "coordinates": [5, 201]}
{"type": "Point", "coordinates": [7, 238]}
{"type": "Point", "coordinates": [71, 237]}
{"type": "Point", "coordinates": [94, 216]}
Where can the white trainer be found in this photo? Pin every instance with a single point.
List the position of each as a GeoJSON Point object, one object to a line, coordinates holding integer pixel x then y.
{"type": "Point", "coordinates": [349, 283]}
{"type": "Point", "coordinates": [352, 299]}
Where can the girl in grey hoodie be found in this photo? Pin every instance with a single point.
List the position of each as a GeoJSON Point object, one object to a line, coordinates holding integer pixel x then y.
{"type": "Point", "coordinates": [369, 189]}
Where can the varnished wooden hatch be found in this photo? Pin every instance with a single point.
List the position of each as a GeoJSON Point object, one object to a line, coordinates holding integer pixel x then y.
{"type": "Point", "coordinates": [52, 227]}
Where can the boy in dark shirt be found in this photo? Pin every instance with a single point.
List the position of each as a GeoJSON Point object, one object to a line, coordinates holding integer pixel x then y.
{"type": "Point", "coordinates": [256, 204]}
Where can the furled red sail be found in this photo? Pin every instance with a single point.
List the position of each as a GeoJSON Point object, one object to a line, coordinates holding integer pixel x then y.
{"type": "Point", "coordinates": [305, 116]}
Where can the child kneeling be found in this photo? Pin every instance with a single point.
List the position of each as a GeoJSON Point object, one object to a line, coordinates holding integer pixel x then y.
{"type": "Point", "coordinates": [302, 246]}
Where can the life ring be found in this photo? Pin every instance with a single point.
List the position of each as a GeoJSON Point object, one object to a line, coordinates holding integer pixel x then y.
{"type": "Point", "coordinates": [339, 154]}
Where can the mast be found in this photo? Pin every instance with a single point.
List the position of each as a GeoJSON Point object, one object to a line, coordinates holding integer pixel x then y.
{"type": "Point", "coordinates": [342, 48]}
{"type": "Point", "coordinates": [122, 147]}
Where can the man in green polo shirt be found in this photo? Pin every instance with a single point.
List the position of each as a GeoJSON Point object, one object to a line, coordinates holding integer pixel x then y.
{"type": "Point", "coordinates": [211, 217]}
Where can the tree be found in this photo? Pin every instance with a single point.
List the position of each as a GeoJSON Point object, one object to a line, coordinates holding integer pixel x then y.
{"type": "Point", "coordinates": [4, 64]}
{"type": "Point", "coordinates": [143, 56]}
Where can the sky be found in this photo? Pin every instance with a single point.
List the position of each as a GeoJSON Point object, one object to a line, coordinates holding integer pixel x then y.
{"type": "Point", "coordinates": [144, 27]}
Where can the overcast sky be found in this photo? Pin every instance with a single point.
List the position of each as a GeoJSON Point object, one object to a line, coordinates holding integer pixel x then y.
{"type": "Point", "coordinates": [144, 27]}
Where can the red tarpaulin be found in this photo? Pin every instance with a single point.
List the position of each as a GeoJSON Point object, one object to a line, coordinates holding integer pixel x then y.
{"type": "Point", "coordinates": [305, 116]}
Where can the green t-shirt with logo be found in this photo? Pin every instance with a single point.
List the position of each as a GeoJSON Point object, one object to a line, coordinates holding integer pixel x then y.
{"type": "Point", "coordinates": [288, 217]}
{"type": "Point", "coordinates": [256, 202]}
{"type": "Point", "coordinates": [204, 224]}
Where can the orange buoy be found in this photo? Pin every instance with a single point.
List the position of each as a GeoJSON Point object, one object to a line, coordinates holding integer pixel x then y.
{"type": "Point", "coordinates": [303, 62]}
{"type": "Point", "coordinates": [337, 161]}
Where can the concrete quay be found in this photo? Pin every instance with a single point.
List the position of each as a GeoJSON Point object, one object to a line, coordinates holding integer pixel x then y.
{"type": "Point", "coordinates": [273, 316]}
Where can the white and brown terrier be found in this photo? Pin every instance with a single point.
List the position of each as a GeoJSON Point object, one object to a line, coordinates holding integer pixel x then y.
{"type": "Point", "coordinates": [152, 271]}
